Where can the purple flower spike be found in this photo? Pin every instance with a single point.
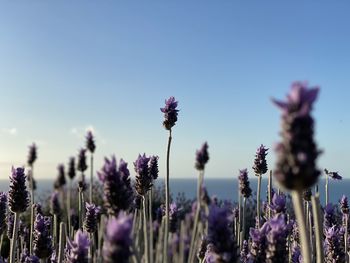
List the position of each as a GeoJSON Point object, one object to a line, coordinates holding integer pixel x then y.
{"type": "Point", "coordinates": [153, 167]}
{"type": "Point", "coordinates": [202, 157]}
{"type": "Point", "coordinates": [31, 259]}
{"type": "Point", "coordinates": [90, 142]}
{"type": "Point", "coordinates": [278, 205]}
{"type": "Point", "coordinates": [334, 250]}
{"type": "Point", "coordinates": [329, 217]}
{"type": "Point", "coordinates": [260, 165]}
{"type": "Point", "coordinates": [244, 187]}
{"type": "Point", "coordinates": [78, 248]}
{"type": "Point", "coordinates": [61, 178]}
{"type": "Point", "coordinates": [296, 254]}
{"type": "Point", "coordinates": [3, 210]}
{"type": "Point", "coordinates": [297, 152]}
{"type": "Point", "coordinates": [32, 155]}
{"type": "Point", "coordinates": [220, 234]}
{"type": "Point", "coordinates": [71, 168]}
{"type": "Point", "coordinates": [55, 203]}
{"type": "Point", "coordinates": [244, 252]}
{"type": "Point", "coordinates": [10, 224]}
{"type": "Point", "coordinates": [42, 241]}
{"type": "Point", "coordinates": [143, 179]}
{"type": "Point", "coordinates": [117, 242]}
{"type": "Point", "coordinates": [259, 243]}
{"type": "Point", "coordinates": [82, 166]}
{"type": "Point", "coordinates": [91, 216]}
{"type": "Point", "coordinates": [333, 175]}
{"type": "Point", "coordinates": [18, 195]}
{"type": "Point", "coordinates": [118, 193]}
{"type": "Point", "coordinates": [276, 240]}
{"type": "Point", "coordinates": [344, 205]}
{"type": "Point", "coordinates": [170, 113]}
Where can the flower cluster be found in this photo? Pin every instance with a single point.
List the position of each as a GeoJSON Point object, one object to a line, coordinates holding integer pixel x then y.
{"type": "Point", "coordinates": [260, 165]}
{"type": "Point", "coordinates": [170, 113]}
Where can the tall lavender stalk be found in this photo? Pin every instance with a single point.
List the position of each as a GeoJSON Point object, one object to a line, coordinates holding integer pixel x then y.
{"type": "Point", "coordinates": [18, 203]}
{"type": "Point", "coordinates": [3, 210]}
{"type": "Point", "coordinates": [90, 145]}
{"type": "Point", "coordinates": [32, 156]}
{"type": "Point", "coordinates": [246, 192]}
{"type": "Point", "coordinates": [297, 153]}
{"type": "Point", "coordinates": [170, 118]}
{"type": "Point", "coordinates": [260, 168]}
{"type": "Point", "coordinates": [202, 157]}
{"type": "Point", "coordinates": [71, 174]}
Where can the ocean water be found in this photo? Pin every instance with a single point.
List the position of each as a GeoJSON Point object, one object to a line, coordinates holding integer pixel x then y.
{"type": "Point", "coordinates": [223, 188]}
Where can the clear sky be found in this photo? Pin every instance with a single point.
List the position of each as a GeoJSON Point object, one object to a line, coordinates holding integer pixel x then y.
{"type": "Point", "coordinates": [66, 66]}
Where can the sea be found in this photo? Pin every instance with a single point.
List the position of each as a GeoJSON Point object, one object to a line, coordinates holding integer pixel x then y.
{"type": "Point", "coordinates": [222, 188]}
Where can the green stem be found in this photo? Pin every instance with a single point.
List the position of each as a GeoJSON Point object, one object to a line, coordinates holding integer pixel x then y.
{"type": "Point", "coordinates": [243, 223]}
{"type": "Point", "coordinates": [80, 208]}
{"type": "Point", "coordinates": [31, 186]}
{"type": "Point", "coordinates": [145, 235]}
{"type": "Point", "coordinates": [299, 214]}
{"type": "Point", "coordinates": [167, 201]}
{"type": "Point", "coordinates": [69, 207]}
{"type": "Point", "coordinates": [270, 192]}
{"type": "Point", "coordinates": [258, 200]}
{"type": "Point", "coordinates": [346, 236]}
{"type": "Point", "coordinates": [316, 213]}
{"type": "Point", "coordinates": [14, 238]}
{"type": "Point", "coordinates": [55, 222]}
{"type": "Point", "coordinates": [196, 218]}
{"type": "Point", "coordinates": [327, 181]}
{"type": "Point", "coordinates": [61, 242]}
{"type": "Point", "coordinates": [150, 226]}
{"type": "Point", "coordinates": [91, 177]}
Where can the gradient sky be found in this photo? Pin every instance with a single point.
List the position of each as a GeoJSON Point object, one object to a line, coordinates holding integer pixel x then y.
{"type": "Point", "coordinates": [66, 66]}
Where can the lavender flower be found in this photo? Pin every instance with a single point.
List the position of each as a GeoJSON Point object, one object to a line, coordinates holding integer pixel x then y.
{"type": "Point", "coordinates": [143, 179]}
{"type": "Point", "coordinates": [31, 259]}
{"type": "Point", "coordinates": [90, 143]}
{"type": "Point", "coordinates": [42, 241]}
{"type": "Point", "coordinates": [297, 153]}
{"type": "Point", "coordinates": [296, 254]}
{"type": "Point", "coordinates": [202, 157]}
{"type": "Point", "coordinates": [10, 224]}
{"type": "Point", "coordinates": [329, 217]}
{"type": "Point", "coordinates": [244, 187]}
{"type": "Point", "coordinates": [307, 193]}
{"type": "Point", "coordinates": [91, 216]}
{"type": "Point", "coordinates": [278, 204]}
{"type": "Point", "coordinates": [260, 165]}
{"type": "Point", "coordinates": [55, 203]}
{"type": "Point", "coordinates": [220, 234]}
{"type": "Point", "coordinates": [32, 155]}
{"type": "Point", "coordinates": [244, 252]}
{"type": "Point", "coordinates": [118, 193]}
{"type": "Point", "coordinates": [78, 248]}
{"type": "Point", "coordinates": [276, 240]}
{"type": "Point", "coordinates": [344, 206]}
{"type": "Point", "coordinates": [18, 195]}
{"type": "Point", "coordinates": [334, 251]}
{"type": "Point", "coordinates": [170, 113]}
{"type": "Point", "coordinates": [53, 258]}
{"type": "Point", "coordinates": [3, 210]}
{"type": "Point", "coordinates": [259, 244]}
{"type": "Point", "coordinates": [82, 166]}
{"type": "Point", "coordinates": [117, 242]}
{"type": "Point", "coordinates": [153, 167]}
{"type": "Point", "coordinates": [333, 175]}
{"type": "Point", "coordinates": [173, 218]}
{"type": "Point", "coordinates": [71, 168]}
{"type": "Point", "coordinates": [61, 178]}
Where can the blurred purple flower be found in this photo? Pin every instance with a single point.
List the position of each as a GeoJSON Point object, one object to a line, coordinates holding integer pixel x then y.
{"type": "Point", "coordinates": [329, 217]}
{"type": "Point", "coordinates": [170, 113]}
{"type": "Point", "coordinates": [10, 224]}
{"type": "Point", "coordinates": [202, 157]}
{"type": "Point", "coordinates": [334, 250]}
{"type": "Point", "coordinates": [90, 143]}
{"type": "Point", "coordinates": [258, 243]}
{"type": "Point", "coordinates": [297, 153]}
{"type": "Point", "coordinates": [278, 204]}
{"type": "Point", "coordinates": [18, 199]}
{"type": "Point", "coordinates": [333, 175]}
{"type": "Point", "coordinates": [42, 240]}
{"type": "Point", "coordinates": [296, 254]}
{"type": "Point", "coordinates": [55, 206]}
{"type": "Point", "coordinates": [82, 166]}
{"type": "Point", "coordinates": [91, 217]}
{"type": "Point", "coordinates": [71, 168]}
{"type": "Point", "coordinates": [143, 178]}
{"type": "Point", "coordinates": [153, 167]}
{"type": "Point", "coordinates": [3, 211]}
{"type": "Point", "coordinates": [260, 165]}
{"type": "Point", "coordinates": [244, 187]}
{"type": "Point", "coordinates": [32, 155]}
{"type": "Point", "coordinates": [117, 242]}
{"type": "Point", "coordinates": [276, 250]}
{"type": "Point", "coordinates": [244, 252]}
{"type": "Point", "coordinates": [117, 190]}
{"type": "Point", "coordinates": [61, 178]}
{"type": "Point", "coordinates": [344, 206]}
{"type": "Point", "coordinates": [78, 248]}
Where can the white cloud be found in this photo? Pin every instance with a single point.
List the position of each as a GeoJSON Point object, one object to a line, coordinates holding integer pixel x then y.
{"type": "Point", "coordinates": [9, 131]}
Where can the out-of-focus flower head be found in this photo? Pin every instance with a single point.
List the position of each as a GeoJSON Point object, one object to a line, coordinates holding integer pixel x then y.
{"type": "Point", "coordinates": [143, 180]}
{"type": "Point", "coordinates": [42, 240]}
{"type": "Point", "coordinates": [153, 167]}
{"type": "Point", "coordinates": [90, 142]}
{"type": "Point", "coordinates": [244, 187]}
{"type": "Point", "coordinates": [61, 178]}
{"type": "Point", "coordinates": [333, 175]}
{"type": "Point", "coordinates": [32, 155]}
{"type": "Point", "coordinates": [78, 248]}
{"type": "Point", "coordinates": [3, 210]}
{"type": "Point", "coordinates": [18, 199]}
{"type": "Point", "coordinates": [71, 168]}
{"type": "Point", "coordinates": [91, 217]}
{"type": "Point", "coordinates": [344, 206]}
{"type": "Point", "coordinates": [202, 157]}
{"type": "Point", "coordinates": [260, 165]}
{"type": "Point", "coordinates": [82, 166]}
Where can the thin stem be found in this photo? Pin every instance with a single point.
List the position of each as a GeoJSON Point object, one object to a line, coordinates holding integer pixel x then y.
{"type": "Point", "coordinates": [327, 181]}
{"type": "Point", "coordinates": [61, 242]}
{"type": "Point", "coordinates": [80, 208]}
{"type": "Point", "coordinates": [69, 206]}
{"type": "Point", "coordinates": [316, 213]}
{"type": "Point", "coordinates": [31, 186]}
{"type": "Point", "coordinates": [167, 197]}
{"type": "Point", "coordinates": [14, 238]}
{"type": "Point", "coordinates": [150, 226]}
{"type": "Point", "coordinates": [1, 241]}
{"type": "Point", "coordinates": [196, 218]}
{"type": "Point", "coordinates": [55, 222]}
{"type": "Point", "coordinates": [243, 223]}
{"type": "Point", "coordinates": [258, 200]}
{"type": "Point", "coordinates": [346, 236]}
{"type": "Point", "coordinates": [299, 214]}
{"type": "Point", "coordinates": [145, 235]}
{"type": "Point", "coordinates": [239, 218]}
{"type": "Point", "coordinates": [91, 177]}
{"type": "Point", "coordinates": [270, 192]}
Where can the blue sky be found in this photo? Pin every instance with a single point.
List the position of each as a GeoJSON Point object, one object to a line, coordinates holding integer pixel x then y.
{"type": "Point", "coordinates": [66, 66]}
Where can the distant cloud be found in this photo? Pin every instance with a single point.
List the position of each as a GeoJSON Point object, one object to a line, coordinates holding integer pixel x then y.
{"type": "Point", "coordinates": [80, 133]}
{"type": "Point", "coordinates": [9, 131]}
